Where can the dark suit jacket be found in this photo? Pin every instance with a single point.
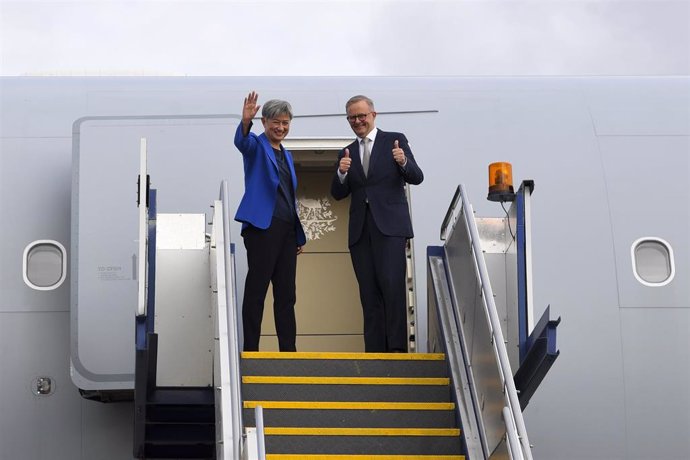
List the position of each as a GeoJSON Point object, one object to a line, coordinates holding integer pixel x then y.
{"type": "Point", "coordinates": [384, 187]}
{"type": "Point", "coordinates": [261, 182]}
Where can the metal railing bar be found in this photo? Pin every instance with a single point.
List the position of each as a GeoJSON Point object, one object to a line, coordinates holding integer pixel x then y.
{"type": "Point", "coordinates": [497, 334]}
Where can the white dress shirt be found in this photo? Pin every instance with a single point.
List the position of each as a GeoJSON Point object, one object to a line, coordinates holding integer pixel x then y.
{"type": "Point", "coordinates": [372, 138]}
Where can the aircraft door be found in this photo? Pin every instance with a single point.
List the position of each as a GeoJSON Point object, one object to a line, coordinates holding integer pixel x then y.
{"type": "Point", "coordinates": [328, 310]}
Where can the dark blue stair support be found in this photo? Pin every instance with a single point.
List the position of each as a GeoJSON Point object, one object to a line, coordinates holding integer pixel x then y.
{"type": "Point", "coordinates": [527, 187]}
{"type": "Point", "coordinates": [541, 354]}
{"type": "Point", "coordinates": [537, 348]}
{"type": "Point", "coordinates": [146, 340]}
{"type": "Point", "coordinates": [168, 422]}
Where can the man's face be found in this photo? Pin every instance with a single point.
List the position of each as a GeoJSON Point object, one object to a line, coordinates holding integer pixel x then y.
{"type": "Point", "coordinates": [361, 118]}
{"type": "Point", "coordinates": [276, 128]}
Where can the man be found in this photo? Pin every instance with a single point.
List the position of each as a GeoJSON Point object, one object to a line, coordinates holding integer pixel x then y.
{"type": "Point", "coordinates": [273, 234]}
{"type": "Point", "coordinates": [373, 170]}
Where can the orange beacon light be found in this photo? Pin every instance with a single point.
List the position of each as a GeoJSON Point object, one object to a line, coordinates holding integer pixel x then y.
{"type": "Point", "coordinates": [501, 182]}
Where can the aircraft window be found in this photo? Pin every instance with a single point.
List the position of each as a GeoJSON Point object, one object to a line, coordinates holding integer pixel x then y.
{"type": "Point", "coordinates": [45, 265]}
{"type": "Point", "coordinates": [653, 261]}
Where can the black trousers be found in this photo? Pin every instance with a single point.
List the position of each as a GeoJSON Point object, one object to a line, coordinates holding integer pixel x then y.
{"type": "Point", "coordinates": [379, 263]}
{"type": "Point", "coordinates": [271, 257]}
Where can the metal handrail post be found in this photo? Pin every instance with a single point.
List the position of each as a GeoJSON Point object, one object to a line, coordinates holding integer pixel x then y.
{"type": "Point", "coordinates": [260, 440]}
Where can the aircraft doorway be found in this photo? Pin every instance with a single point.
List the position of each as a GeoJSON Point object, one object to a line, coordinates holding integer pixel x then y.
{"type": "Point", "coordinates": [328, 310]}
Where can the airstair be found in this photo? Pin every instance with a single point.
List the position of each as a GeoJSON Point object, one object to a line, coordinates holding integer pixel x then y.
{"type": "Point", "coordinates": [196, 396]}
{"type": "Point", "coordinates": [174, 418]}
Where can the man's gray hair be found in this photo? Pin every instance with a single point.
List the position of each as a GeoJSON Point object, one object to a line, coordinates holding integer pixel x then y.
{"type": "Point", "coordinates": [358, 98]}
{"type": "Point", "coordinates": [276, 107]}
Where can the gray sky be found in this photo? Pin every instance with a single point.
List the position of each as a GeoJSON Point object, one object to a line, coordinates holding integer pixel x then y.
{"type": "Point", "coordinates": [336, 37]}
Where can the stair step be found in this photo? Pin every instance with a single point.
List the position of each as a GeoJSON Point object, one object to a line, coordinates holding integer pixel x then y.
{"type": "Point", "coordinates": [180, 433]}
{"type": "Point", "coordinates": [182, 396]}
{"type": "Point", "coordinates": [181, 413]}
{"type": "Point", "coordinates": [373, 393]}
{"type": "Point", "coordinates": [352, 414]}
{"type": "Point", "coordinates": [348, 405]}
{"type": "Point", "coordinates": [178, 451]}
{"type": "Point", "coordinates": [324, 356]}
{"type": "Point", "coordinates": [362, 457]}
{"type": "Point", "coordinates": [323, 431]}
{"type": "Point", "coordinates": [309, 380]}
{"type": "Point", "coordinates": [344, 364]}
{"type": "Point", "coordinates": [363, 441]}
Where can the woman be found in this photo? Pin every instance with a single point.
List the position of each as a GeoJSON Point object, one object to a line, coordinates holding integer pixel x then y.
{"type": "Point", "coordinates": [272, 232]}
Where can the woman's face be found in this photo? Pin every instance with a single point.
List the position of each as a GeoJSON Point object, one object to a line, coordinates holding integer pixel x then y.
{"type": "Point", "coordinates": [276, 128]}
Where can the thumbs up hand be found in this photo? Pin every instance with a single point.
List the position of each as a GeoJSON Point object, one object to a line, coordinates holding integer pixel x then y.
{"type": "Point", "coordinates": [345, 162]}
{"type": "Point", "coordinates": [399, 154]}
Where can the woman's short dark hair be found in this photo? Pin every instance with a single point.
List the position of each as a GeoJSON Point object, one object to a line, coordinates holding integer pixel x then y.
{"type": "Point", "coordinates": [276, 107]}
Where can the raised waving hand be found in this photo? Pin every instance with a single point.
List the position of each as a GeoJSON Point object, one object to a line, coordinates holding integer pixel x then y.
{"type": "Point", "coordinates": [250, 109]}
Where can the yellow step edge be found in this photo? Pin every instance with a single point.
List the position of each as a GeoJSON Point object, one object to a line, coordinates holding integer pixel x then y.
{"type": "Point", "coordinates": [342, 355]}
{"type": "Point", "coordinates": [299, 431]}
{"type": "Point", "coordinates": [367, 457]}
{"type": "Point", "coordinates": [293, 380]}
{"type": "Point", "coordinates": [348, 405]}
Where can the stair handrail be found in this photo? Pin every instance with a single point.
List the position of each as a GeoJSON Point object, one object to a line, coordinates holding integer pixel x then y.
{"type": "Point", "coordinates": [142, 189]}
{"type": "Point", "coordinates": [451, 335]}
{"type": "Point", "coordinates": [514, 412]}
{"type": "Point", "coordinates": [227, 329]}
{"type": "Point", "coordinates": [511, 434]}
{"type": "Point", "coordinates": [233, 323]}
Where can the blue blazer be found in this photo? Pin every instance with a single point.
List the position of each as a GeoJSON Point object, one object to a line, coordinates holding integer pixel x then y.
{"type": "Point", "coordinates": [261, 182]}
{"type": "Point", "coordinates": [383, 188]}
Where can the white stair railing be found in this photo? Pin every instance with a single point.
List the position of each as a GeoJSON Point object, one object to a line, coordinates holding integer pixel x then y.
{"type": "Point", "coordinates": [143, 229]}
{"type": "Point", "coordinates": [515, 423]}
{"type": "Point", "coordinates": [517, 441]}
{"type": "Point", "coordinates": [226, 359]}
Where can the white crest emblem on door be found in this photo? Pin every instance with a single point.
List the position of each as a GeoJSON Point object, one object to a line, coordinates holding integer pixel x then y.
{"type": "Point", "coordinates": [316, 216]}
